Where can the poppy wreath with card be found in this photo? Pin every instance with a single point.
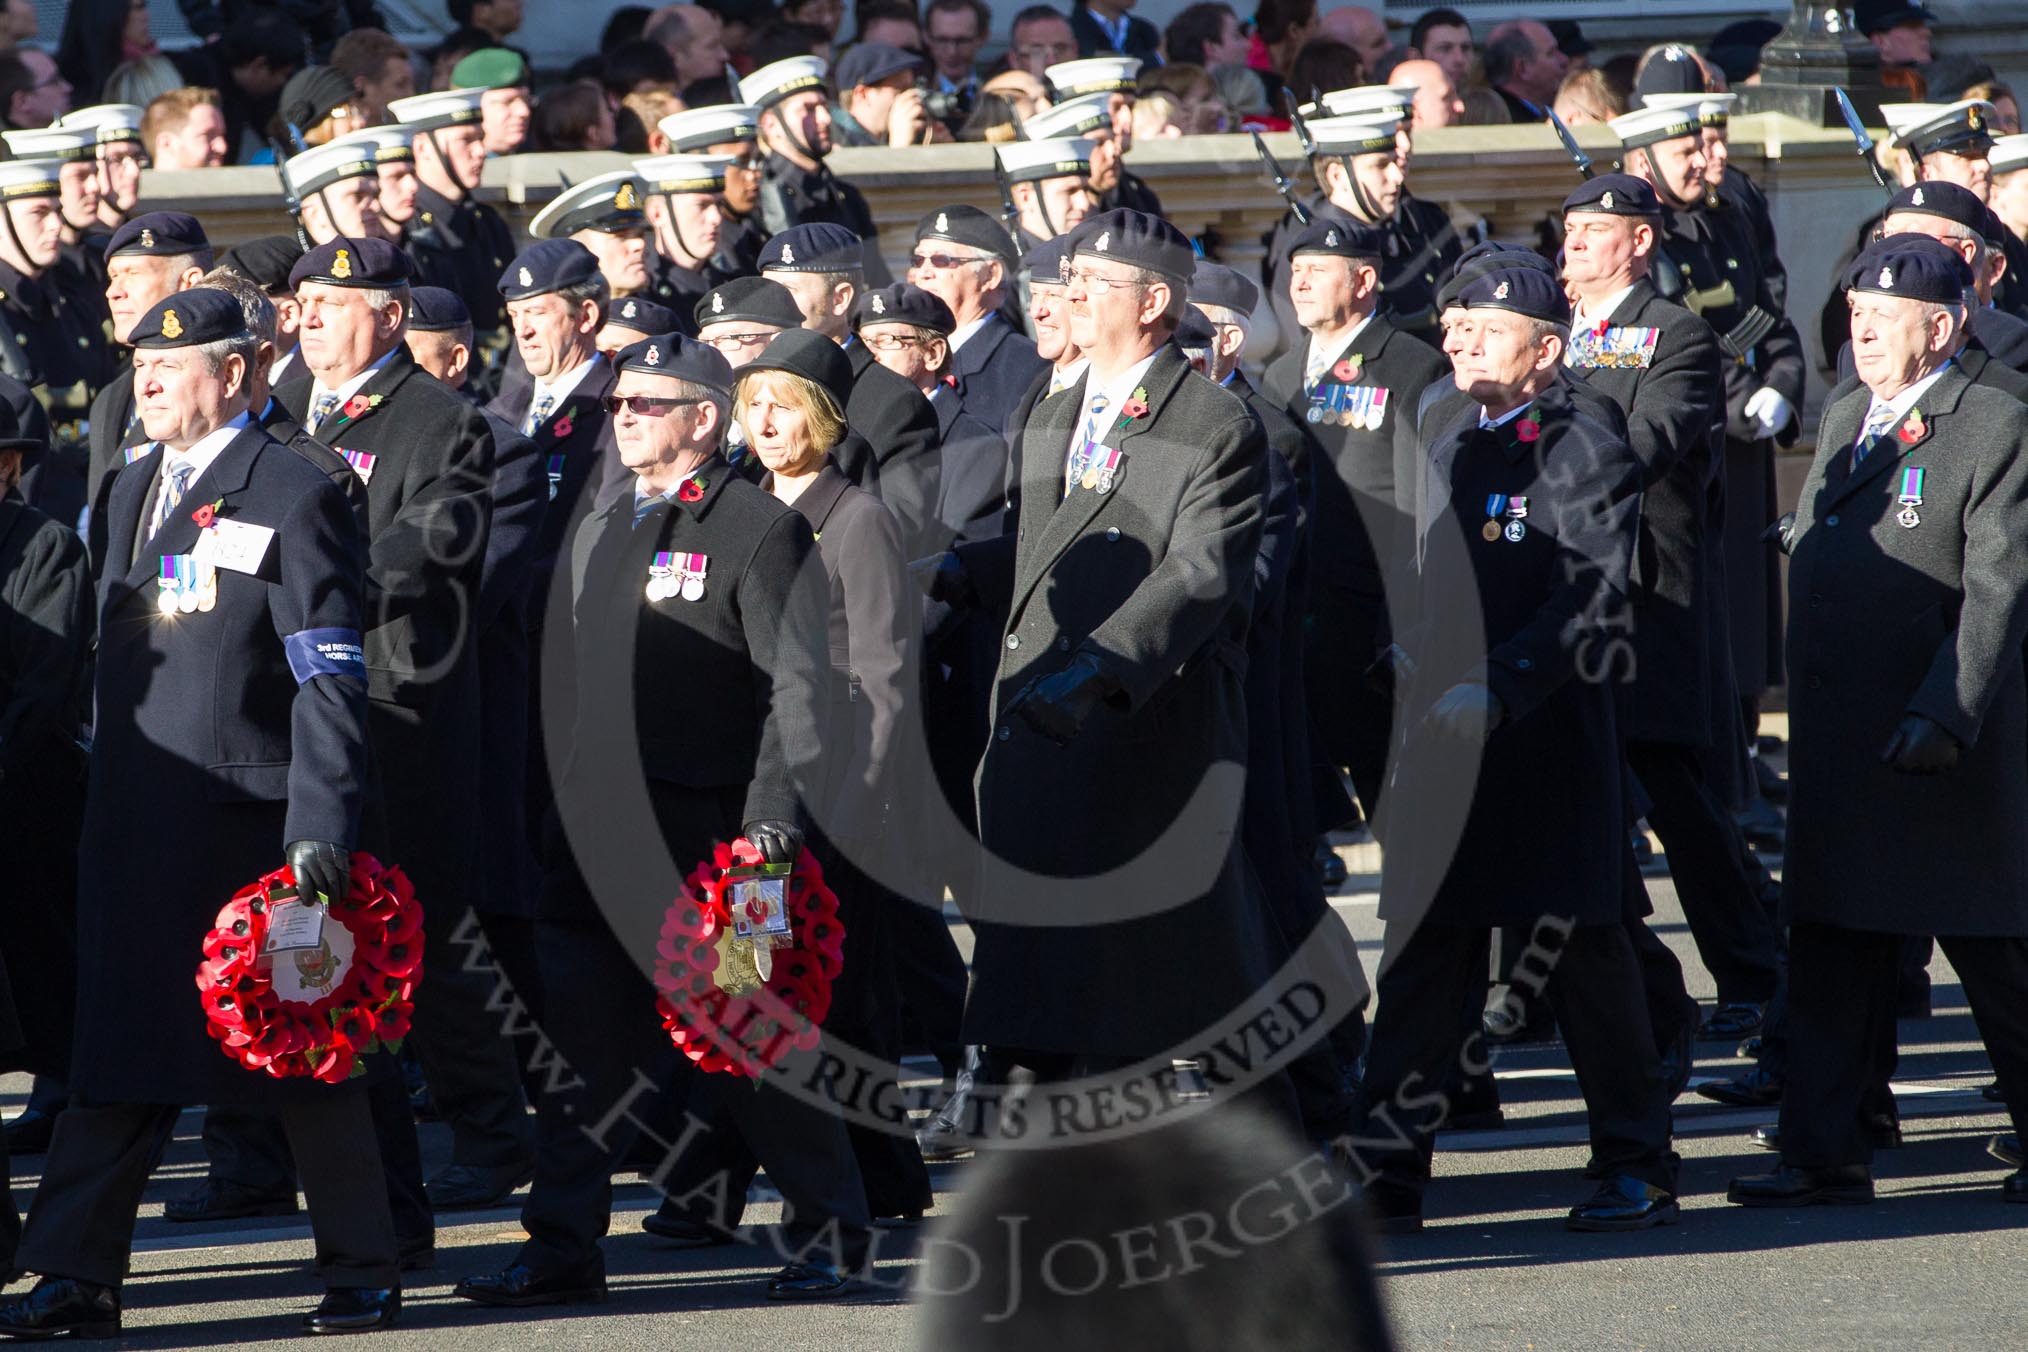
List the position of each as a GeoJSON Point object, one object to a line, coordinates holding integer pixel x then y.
{"type": "Point", "coordinates": [737, 1004]}
{"type": "Point", "coordinates": [315, 1011]}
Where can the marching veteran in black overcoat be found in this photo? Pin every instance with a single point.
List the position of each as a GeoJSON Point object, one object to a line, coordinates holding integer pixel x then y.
{"type": "Point", "coordinates": [237, 728]}
{"type": "Point", "coordinates": [1127, 584]}
{"type": "Point", "coordinates": [1908, 602]}
{"type": "Point", "coordinates": [1510, 741]}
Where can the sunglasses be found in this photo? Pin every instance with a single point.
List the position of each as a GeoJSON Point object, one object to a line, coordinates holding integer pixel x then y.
{"type": "Point", "coordinates": [645, 405]}
{"type": "Point", "coordinates": [941, 262]}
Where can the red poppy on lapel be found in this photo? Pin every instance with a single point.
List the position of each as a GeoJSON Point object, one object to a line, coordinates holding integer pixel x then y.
{"type": "Point", "coordinates": [1527, 429]}
{"type": "Point", "coordinates": [562, 426]}
{"type": "Point", "coordinates": [205, 516]}
{"type": "Point", "coordinates": [1347, 369]}
{"type": "Point", "coordinates": [692, 490]}
{"type": "Point", "coordinates": [355, 406]}
{"type": "Point", "coordinates": [1136, 407]}
{"type": "Point", "coordinates": [1913, 428]}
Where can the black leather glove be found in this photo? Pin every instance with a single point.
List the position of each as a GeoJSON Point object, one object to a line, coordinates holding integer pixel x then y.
{"type": "Point", "coordinates": [942, 577]}
{"type": "Point", "coordinates": [1782, 532]}
{"type": "Point", "coordinates": [322, 869]}
{"type": "Point", "coordinates": [1921, 746]}
{"type": "Point", "coordinates": [1057, 705]}
{"type": "Point", "coordinates": [1468, 710]}
{"type": "Point", "coordinates": [778, 842]}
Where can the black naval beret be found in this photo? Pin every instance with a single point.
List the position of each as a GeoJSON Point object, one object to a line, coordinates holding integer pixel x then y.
{"type": "Point", "coordinates": [1912, 267]}
{"type": "Point", "coordinates": [1673, 69]}
{"type": "Point", "coordinates": [1538, 295]}
{"type": "Point", "coordinates": [1339, 239]}
{"type": "Point", "coordinates": [1195, 330]}
{"type": "Point", "coordinates": [1044, 262]}
{"type": "Point", "coordinates": [1484, 257]}
{"type": "Point", "coordinates": [642, 316]}
{"type": "Point", "coordinates": [679, 358]}
{"type": "Point", "coordinates": [1137, 239]}
{"type": "Point", "coordinates": [266, 261]}
{"type": "Point", "coordinates": [868, 63]}
{"type": "Point", "coordinates": [548, 265]}
{"type": "Point", "coordinates": [903, 303]}
{"type": "Point", "coordinates": [819, 246]}
{"type": "Point", "coordinates": [1227, 288]}
{"type": "Point", "coordinates": [753, 300]}
{"type": "Point", "coordinates": [1938, 198]}
{"type": "Point", "coordinates": [968, 225]}
{"type": "Point", "coordinates": [364, 263]}
{"type": "Point", "coordinates": [436, 309]}
{"type": "Point", "coordinates": [160, 234]}
{"type": "Point", "coordinates": [1614, 195]}
{"type": "Point", "coordinates": [190, 318]}
{"type": "Point", "coordinates": [809, 354]}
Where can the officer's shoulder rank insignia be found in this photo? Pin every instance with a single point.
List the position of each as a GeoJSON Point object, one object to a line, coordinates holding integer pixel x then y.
{"type": "Point", "coordinates": [341, 266]}
{"type": "Point", "coordinates": [172, 327]}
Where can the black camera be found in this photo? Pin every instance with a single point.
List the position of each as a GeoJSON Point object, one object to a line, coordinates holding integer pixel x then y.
{"type": "Point", "coordinates": [945, 105]}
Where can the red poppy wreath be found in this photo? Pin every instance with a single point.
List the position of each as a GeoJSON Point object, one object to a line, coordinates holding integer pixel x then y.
{"type": "Point", "coordinates": [743, 972]}
{"type": "Point", "coordinates": [315, 1010]}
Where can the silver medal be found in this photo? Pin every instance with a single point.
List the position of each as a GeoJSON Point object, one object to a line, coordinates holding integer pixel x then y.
{"type": "Point", "coordinates": [693, 588]}
{"type": "Point", "coordinates": [1515, 531]}
{"type": "Point", "coordinates": [1909, 518]}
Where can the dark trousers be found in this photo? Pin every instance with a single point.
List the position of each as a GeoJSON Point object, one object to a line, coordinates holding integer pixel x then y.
{"type": "Point", "coordinates": [1842, 986]}
{"type": "Point", "coordinates": [1735, 936]}
{"type": "Point", "coordinates": [474, 1079]}
{"type": "Point", "coordinates": [1671, 1011]}
{"type": "Point", "coordinates": [1352, 712]}
{"type": "Point", "coordinates": [613, 1039]}
{"type": "Point", "coordinates": [930, 973]}
{"type": "Point", "coordinates": [1432, 980]}
{"type": "Point", "coordinates": [81, 1224]}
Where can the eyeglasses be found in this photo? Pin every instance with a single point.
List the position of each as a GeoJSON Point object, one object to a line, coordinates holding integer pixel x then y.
{"type": "Point", "coordinates": [733, 342]}
{"type": "Point", "coordinates": [1052, 52]}
{"type": "Point", "coordinates": [969, 40]}
{"type": "Point", "coordinates": [645, 405]}
{"type": "Point", "coordinates": [894, 342]}
{"type": "Point", "coordinates": [1095, 282]}
{"type": "Point", "coordinates": [942, 262]}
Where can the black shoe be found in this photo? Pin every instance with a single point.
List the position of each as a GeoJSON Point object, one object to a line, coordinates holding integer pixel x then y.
{"type": "Point", "coordinates": [1330, 868]}
{"type": "Point", "coordinates": [417, 1255]}
{"type": "Point", "coordinates": [29, 1132]}
{"type": "Point", "coordinates": [355, 1309]}
{"type": "Point", "coordinates": [681, 1231]}
{"type": "Point", "coordinates": [2014, 1187]}
{"type": "Point", "coordinates": [1750, 1049]}
{"type": "Point", "coordinates": [1476, 1119]}
{"type": "Point", "coordinates": [2007, 1150]}
{"type": "Point", "coordinates": [1755, 1089]}
{"type": "Point", "coordinates": [1731, 1023]}
{"type": "Point", "coordinates": [1991, 1093]}
{"type": "Point", "coordinates": [519, 1285]}
{"type": "Point", "coordinates": [1846, 1185]}
{"type": "Point", "coordinates": [218, 1199]}
{"type": "Point", "coordinates": [1624, 1202]}
{"type": "Point", "coordinates": [62, 1307]}
{"type": "Point", "coordinates": [1883, 1131]}
{"type": "Point", "coordinates": [808, 1281]}
{"type": "Point", "coordinates": [468, 1187]}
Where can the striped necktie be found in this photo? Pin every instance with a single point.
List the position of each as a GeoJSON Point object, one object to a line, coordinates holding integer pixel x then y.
{"type": "Point", "coordinates": [326, 404]}
{"type": "Point", "coordinates": [643, 506]}
{"type": "Point", "coordinates": [542, 409]}
{"type": "Point", "coordinates": [1094, 427]}
{"type": "Point", "coordinates": [176, 477]}
{"type": "Point", "coordinates": [1878, 421]}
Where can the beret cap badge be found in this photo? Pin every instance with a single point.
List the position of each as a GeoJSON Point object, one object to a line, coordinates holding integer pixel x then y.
{"type": "Point", "coordinates": [879, 306]}
{"type": "Point", "coordinates": [788, 253]}
{"type": "Point", "coordinates": [1331, 238]}
{"type": "Point", "coordinates": [630, 310]}
{"type": "Point", "coordinates": [341, 266]}
{"type": "Point", "coordinates": [717, 304]}
{"type": "Point", "coordinates": [527, 277]}
{"type": "Point", "coordinates": [626, 199]}
{"type": "Point", "coordinates": [654, 357]}
{"type": "Point", "coordinates": [943, 221]}
{"type": "Point", "coordinates": [172, 327]}
{"type": "Point", "coordinates": [1104, 240]}
{"type": "Point", "coordinates": [1607, 200]}
{"type": "Point", "coordinates": [1887, 278]}
{"type": "Point", "coordinates": [147, 238]}
{"type": "Point", "coordinates": [1500, 291]}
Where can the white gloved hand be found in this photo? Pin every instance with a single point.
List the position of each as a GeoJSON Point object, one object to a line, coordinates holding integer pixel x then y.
{"type": "Point", "coordinates": [1769, 411]}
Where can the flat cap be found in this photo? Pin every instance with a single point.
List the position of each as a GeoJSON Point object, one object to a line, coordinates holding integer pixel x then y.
{"type": "Point", "coordinates": [749, 300]}
{"type": "Point", "coordinates": [1524, 291]}
{"type": "Point", "coordinates": [641, 316]}
{"type": "Point", "coordinates": [1614, 195]}
{"type": "Point", "coordinates": [160, 234]}
{"type": "Point", "coordinates": [1227, 288]}
{"type": "Point", "coordinates": [612, 203]}
{"type": "Point", "coordinates": [868, 63]}
{"type": "Point", "coordinates": [265, 260]}
{"type": "Point", "coordinates": [1138, 239]}
{"type": "Point", "coordinates": [967, 225]}
{"type": "Point", "coordinates": [491, 68]}
{"type": "Point", "coordinates": [545, 266]}
{"type": "Point", "coordinates": [1339, 239]}
{"type": "Point", "coordinates": [364, 263]}
{"type": "Point", "coordinates": [680, 358]}
{"type": "Point", "coordinates": [436, 309]}
{"type": "Point", "coordinates": [809, 354]}
{"type": "Point", "coordinates": [1911, 267]}
{"type": "Point", "coordinates": [903, 303]}
{"type": "Point", "coordinates": [190, 318]}
{"type": "Point", "coordinates": [818, 246]}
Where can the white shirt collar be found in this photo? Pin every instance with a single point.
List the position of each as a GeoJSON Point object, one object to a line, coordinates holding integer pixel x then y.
{"type": "Point", "coordinates": [641, 493]}
{"type": "Point", "coordinates": [1509, 416]}
{"type": "Point", "coordinates": [1316, 363]}
{"type": "Point", "coordinates": [1062, 378]}
{"type": "Point", "coordinates": [1901, 403]}
{"type": "Point", "coordinates": [963, 333]}
{"type": "Point", "coordinates": [1117, 391]}
{"type": "Point", "coordinates": [208, 447]}
{"type": "Point", "coordinates": [352, 386]}
{"type": "Point", "coordinates": [561, 387]}
{"type": "Point", "coordinates": [1584, 315]}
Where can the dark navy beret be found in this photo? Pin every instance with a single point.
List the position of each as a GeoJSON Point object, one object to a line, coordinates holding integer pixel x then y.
{"type": "Point", "coordinates": [1938, 198]}
{"type": "Point", "coordinates": [1912, 267]}
{"type": "Point", "coordinates": [817, 247]}
{"type": "Point", "coordinates": [903, 304]}
{"type": "Point", "coordinates": [809, 354]}
{"type": "Point", "coordinates": [160, 234]}
{"type": "Point", "coordinates": [266, 261]}
{"type": "Point", "coordinates": [1137, 239]}
{"type": "Point", "coordinates": [191, 318]}
{"type": "Point", "coordinates": [1538, 295]}
{"type": "Point", "coordinates": [1195, 330]}
{"type": "Point", "coordinates": [968, 225]}
{"type": "Point", "coordinates": [435, 309]}
{"type": "Point", "coordinates": [1614, 195]}
{"type": "Point", "coordinates": [1227, 288]}
{"type": "Point", "coordinates": [1482, 258]}
{"type": "Point", "coordinates": [548, 265]}
{"type": "Point", "coordinates": [365, 263]}
{"type": "Point", "coordinates": [751, 300]}
{"type": "Point", "coordinates": [642, 316]}
{"type": "Point", "coordinates": [1044, 262]}
{"type": "Point", "coordinates": [679, 358]}
{"type": "Point", "coordinates": [1339, 239]}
